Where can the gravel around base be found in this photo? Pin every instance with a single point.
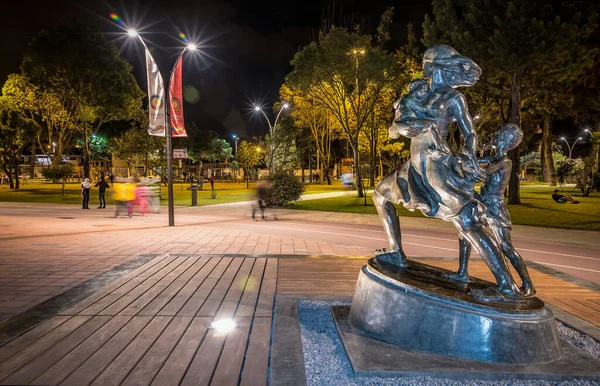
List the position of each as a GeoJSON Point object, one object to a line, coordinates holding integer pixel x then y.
{"type": "Point", "coordinates": [326, 362]}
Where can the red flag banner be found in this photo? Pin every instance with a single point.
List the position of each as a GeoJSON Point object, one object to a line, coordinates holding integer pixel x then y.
{"type": "Point", "coordinates": [176, 105]}
{"type": "Point", "coordinates": [155, 98]}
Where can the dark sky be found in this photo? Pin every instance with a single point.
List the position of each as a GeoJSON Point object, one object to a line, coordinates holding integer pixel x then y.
{"type": "Point", "coordinates": [246, 45]}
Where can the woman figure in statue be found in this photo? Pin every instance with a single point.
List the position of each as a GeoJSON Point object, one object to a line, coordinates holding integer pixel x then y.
{"type": "Point", "coordinates": [441, 185]}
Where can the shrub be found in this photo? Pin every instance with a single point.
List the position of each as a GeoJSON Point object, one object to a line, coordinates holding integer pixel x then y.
{"type": "Point", "coordinates": [285, 189]}
{"type": "Point", "coordinates": [59, 173]}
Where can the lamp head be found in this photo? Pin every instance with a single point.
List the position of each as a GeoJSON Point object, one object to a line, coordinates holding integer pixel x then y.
{"type": "Point", "coordinates": [286, 105]}
{"type": "Point", "coordinates": [192, 47]}
{"type": "Point", "coordinates": [256, 108]}
{"type": "Point", "coordinates": [132, 33]}
{"type": "Point", "coordinates": [562, 139]}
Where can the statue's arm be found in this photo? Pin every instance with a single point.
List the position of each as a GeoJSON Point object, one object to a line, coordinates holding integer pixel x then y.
{"type": "Point", "coordinates": [465, 124]}
{"type": "Point", "coordinates": [409, 127]}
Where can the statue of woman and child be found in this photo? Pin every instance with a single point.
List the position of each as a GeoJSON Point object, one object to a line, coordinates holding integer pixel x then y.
{"type": "Point", "coordinates": [441, 183]}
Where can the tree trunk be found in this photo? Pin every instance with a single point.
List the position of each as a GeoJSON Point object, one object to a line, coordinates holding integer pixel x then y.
{"type": "Point", "coordinates": [86, 158]}
{"type": "Point", "coordinates": [514, 116]}
{"type": "Point", "coordinates": [546, 160]}
{"type": "Point", "coordinates": [32, 161]}
{"type": "Point", "coordinates": [357, 172]}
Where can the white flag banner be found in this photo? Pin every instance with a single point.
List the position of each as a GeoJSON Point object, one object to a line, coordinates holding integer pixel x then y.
{"type": "Point", "coordinates": [156, 98]}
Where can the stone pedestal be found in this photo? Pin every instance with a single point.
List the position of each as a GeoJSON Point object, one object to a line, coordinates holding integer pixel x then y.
{"type": "Point", "coordinates": [418, 309]}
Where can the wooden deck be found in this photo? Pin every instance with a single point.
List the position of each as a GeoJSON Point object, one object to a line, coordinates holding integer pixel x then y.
{"type": "Point", "coordinates": [149, 327]}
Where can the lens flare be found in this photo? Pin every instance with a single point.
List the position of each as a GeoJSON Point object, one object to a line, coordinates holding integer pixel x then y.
{"type": "Point", "coordinates": [183, 37]}
{"type": "Point", "coordinates": [116, 19]}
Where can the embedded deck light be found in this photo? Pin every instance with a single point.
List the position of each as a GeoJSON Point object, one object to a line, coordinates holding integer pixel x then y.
{"type": "Point", "coordinates": [222, 326]}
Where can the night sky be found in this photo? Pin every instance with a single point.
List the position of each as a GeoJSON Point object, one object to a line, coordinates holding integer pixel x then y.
{"type": "Point", "coordinates": [246, 45]}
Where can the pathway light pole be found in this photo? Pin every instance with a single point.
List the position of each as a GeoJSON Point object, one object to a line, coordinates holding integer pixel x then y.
{"type": "Point", "coordinates": [235, 141]}
{"type": "Point", "coordinates": [272, 128]}
{"type": "Point", "coordinates": [570, 147]}
{"type": "Point", "coordinates": [171, 207]}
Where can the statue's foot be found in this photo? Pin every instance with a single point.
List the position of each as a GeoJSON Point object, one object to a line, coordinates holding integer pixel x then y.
{"type": "Point", "coordinates": [527, 290]}
{"type": "Point", "coordinates": [396, 258]}
{"type": "Point", "coordinates": [463, 277]}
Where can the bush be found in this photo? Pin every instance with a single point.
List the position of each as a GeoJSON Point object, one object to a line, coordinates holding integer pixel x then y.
{"type": "Point", "coordinates": [285, 189]}
{"type": "Point", "coordinates": [59, 173]}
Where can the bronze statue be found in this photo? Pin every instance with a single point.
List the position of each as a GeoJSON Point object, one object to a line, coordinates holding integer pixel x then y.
{"type": "Point", "coordinates": [438, 182]}
{"type": "Point", "coordinates": [497, 215]}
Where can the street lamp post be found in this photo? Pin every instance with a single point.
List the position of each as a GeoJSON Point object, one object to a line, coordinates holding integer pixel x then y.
{"type": "Point", "coordinates": [235, 141]}
{"type": "Point", "coordinates": [596, 163]}
{"type": "Point", "coordinates": [570, 147]}
{"type": "Point", "coordinates": [171, 207]}
{"type": "Point", "coordinates": [271, 132]}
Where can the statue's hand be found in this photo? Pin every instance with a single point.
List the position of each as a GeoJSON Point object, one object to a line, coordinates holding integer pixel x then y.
{"type": "Point", "coordinates": [472, 169]}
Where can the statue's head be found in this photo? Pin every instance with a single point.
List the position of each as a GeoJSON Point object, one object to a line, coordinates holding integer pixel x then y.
{"type": "Point", "coordinates": [456, 70]}
{"type": "Point", "coordinates": [508, 137]}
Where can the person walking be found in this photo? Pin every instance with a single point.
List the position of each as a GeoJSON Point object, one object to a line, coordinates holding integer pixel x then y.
{"type": "Point", "coordinates": [85, 193]}
{"type": "Point", "coordinates": [212, 182]}
{"type": "Point", "coordinates": [102, 185]}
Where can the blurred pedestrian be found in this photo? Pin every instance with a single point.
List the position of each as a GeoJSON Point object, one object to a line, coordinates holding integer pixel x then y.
{"type": "Point", "coordinates": [262, 193]}
{"type": "Point", "coordinates": [154, 198]}
{"type": "Point", "coordinates": [212, 181]}
{"type": "Point", "coordinates": [142, 196]}
{"type": "Point", "coordinates": [102, 185]}
{"type": "Point", "coordinates": [85, 193]}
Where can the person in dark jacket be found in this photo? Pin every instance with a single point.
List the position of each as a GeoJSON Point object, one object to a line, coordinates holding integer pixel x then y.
{"type": "Point", "coordinates": [85, 193]}
{"type": "Point", "coordinates": [102, 185]}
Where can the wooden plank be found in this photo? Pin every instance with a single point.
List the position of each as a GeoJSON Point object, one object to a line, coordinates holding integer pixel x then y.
{"type": "Point", "coordinates": [574, 308]}
{"type": "Point", "coordinates": [90, 369]}
{"type": "Point", "coordinates": [75, 358]}
{"type": "Point", "coordinates": [174, 288]}
{"type": "Point", "coordinates": [248, 302]}
{"type": "Point", "coordinates": [231, 300]}
{"type": "Point", "coordinates": [176, 303]}
{"type": "Point", "coordinates": [266, 299]}
{"type": "Point", "coordinates": [176, 365]}
{"type": "Point", "coordinates": [256, 363]}
{"type": "Point", "coordinates": [38, 347]}
{"type": "Point", "coordinates": [119, 292]}
{"type": "Point", "coordinates": [151, 363]}
{"type": "Point", "coordinates": [120, 367]}
{"type": "Point", "coordinates": [11, 348]}
{"type": "Point", "coordinates": [119, 283]}
{"type": "Point", "coordinates": [214, 300]}
{"type": "Point", "coordinates": [231, 359]}
{"type": "Point", "coordinates": [36, 367]}
{"type": "Point", "coordinates": [192, 306]}
{"type": "Point", "coordinates": [125, 299]}
{"type": "Point", "coordinates": [144, 299]}
{"type": "Point", "coordinates": [202, 367]}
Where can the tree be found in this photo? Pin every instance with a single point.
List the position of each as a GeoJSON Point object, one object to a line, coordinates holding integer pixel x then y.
{"type": "Point", "coordinates": [249, 155]}
{"type": "Point", "coordinates": [16, 131]}
{"type": "Point", "coordinates": [509, 38]}
{"type": "Point", "coordinates": [93, 83]}
{"type": "Point", "coordinates": [345, 74]}
{"type": "Point", "coordinates": [320, 122]}
{"type": "Point", "coordinates": [59, 173]}
{"type": "Point", "coordinates": [283, 144]}
{"type": "Point", "coordinates": [57, 127]}
{"type": "Point", "coordinates": [136, 147]}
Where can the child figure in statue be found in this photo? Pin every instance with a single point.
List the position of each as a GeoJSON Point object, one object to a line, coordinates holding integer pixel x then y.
{"type": "Point", "coordinates": [414, 105]}
{"type": "Point", "coordinates": [497, 215]}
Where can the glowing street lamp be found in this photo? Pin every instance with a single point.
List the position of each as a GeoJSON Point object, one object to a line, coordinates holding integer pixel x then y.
{"type": "Point", "coordinates": [272, 128]}
{"type": "Point", "coordinates": [171, 207]}
{"type": "Point", "coordinates": [570, 147]}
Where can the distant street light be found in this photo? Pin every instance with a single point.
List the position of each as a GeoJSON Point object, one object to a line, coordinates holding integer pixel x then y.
{"type": "Point", "coordinates": [272, 127]}
{"type": "Point", "coordinates": [596, 163]}
{"type": "Point", "coordinates": [570, 147]}
{"type": "Point", "coordinates": [235, 141]}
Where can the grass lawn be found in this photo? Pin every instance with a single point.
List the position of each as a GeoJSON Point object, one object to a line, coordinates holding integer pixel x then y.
{"type": "Point", "coordinates": [226, 192]}
{"type": "Point", "coordinates": [537, 208]}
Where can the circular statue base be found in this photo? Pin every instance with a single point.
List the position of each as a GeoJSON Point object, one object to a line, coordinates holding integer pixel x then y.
{"type": "Point", "coordinates": [416, 307]}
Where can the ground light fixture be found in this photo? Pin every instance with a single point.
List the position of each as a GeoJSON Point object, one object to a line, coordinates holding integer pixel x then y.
{"type": "Point", "coordinates": [222, 326]}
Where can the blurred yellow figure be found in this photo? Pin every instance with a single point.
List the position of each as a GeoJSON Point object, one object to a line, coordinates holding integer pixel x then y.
{"type": "Point", "coordinates": [123, 195]}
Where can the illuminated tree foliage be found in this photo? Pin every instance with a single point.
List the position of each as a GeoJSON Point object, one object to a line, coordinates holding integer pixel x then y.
{"type": "Point", "coordinates": [88, 76]}
{"type": "Point", "coordinates": [513, 40]}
